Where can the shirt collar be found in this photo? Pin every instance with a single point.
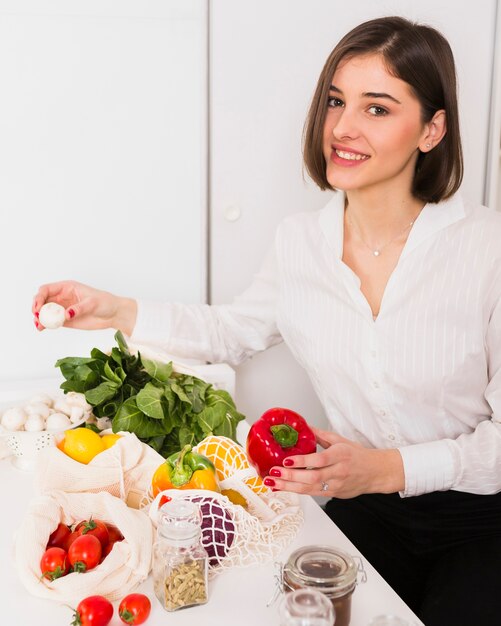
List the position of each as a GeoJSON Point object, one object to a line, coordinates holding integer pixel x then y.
{"type": "Point", "coordinates": [432, 219]}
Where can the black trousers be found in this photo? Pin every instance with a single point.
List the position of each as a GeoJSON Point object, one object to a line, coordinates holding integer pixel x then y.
{"type": "Point", "coordinates": [441, 552]}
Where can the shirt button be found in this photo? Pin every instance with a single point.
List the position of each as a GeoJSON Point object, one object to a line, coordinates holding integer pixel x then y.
{"type": "Point", "coordinates": [391, 437]}
{"type": "Point", "coordinates": [376, 384]}
{"type": "Point", "coordinates": [382, 412]}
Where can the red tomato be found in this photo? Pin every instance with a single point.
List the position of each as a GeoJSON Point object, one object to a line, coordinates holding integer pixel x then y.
{"type": "Point", "coordinates": [54, 563]}
{"type": "Point", "coordinates": [134, 609]}
{"type": "Point", "coordinates": [114, 533]}
{"type": "Point", "coordinates": [94, 527]}
{"type": "Point", "coordinates": [84, 553]}
{"type": "Point", "coordinates": [163, 500]}
{"type": "Point", "coordinates": [107, 550]}
{"type": "Point", "coordinates": [93, 611]}
{"type": "Point", "coordinates": [59, 537]}
{"type": "Point", "coordinates": [70, 539]}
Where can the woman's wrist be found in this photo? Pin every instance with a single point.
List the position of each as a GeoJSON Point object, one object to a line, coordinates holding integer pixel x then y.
{"type": "Point", "coordinates": [390, 477]}
{"type": "Point", "coordinates": [125, 315]}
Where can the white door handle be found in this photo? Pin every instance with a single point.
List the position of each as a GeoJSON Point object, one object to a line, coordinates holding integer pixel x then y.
{"type": "Point", "coordinates": [232, 213]}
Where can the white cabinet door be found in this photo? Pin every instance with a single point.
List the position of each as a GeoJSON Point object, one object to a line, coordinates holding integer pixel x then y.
{"type": "Point", "coordinates": [102, 160]}
{"type": "Point", "coordinates": [265, 60]}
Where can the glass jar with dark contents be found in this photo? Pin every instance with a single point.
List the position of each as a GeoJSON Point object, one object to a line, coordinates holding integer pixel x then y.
{"type": "Point", "coordinates": [327, 569]}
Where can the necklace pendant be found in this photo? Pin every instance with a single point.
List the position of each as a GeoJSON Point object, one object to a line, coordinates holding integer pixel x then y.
{"type": "Point", "coordinates": [376, 252]}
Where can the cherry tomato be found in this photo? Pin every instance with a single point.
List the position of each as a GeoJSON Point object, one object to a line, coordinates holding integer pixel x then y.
{"type": "Point", "coordinates": [54, 563]}
{"type": "Point", "coordinates": [94, 527]}
{"type": "Point", "coordinates": [107, 550]}
{"type": "Point", "coordinates": [84, 553]}
{"type": "Point", "coordinates": [93, 611]}
{"type": "Point", "coordinates": [163, 500]}
{"type": "Point", "coordinates": [70, 539]}
{"type": "Point", "coordinates": [59, 537]}
{"type": "Point", "coordinates": [114, 533]}
{"type": "Point", "coordinates": [134, 609]}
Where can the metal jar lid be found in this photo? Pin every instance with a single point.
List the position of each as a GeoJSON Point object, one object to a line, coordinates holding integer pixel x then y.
{"type": "Point", "coordinates": [328, 569]}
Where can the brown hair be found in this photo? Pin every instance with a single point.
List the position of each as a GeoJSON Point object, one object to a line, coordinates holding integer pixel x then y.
{"type": "Point", "coordinates": [420, 56]}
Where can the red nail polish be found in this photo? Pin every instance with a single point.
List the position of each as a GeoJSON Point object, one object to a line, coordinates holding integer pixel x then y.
{"type": "Point", "coordinates": [275, 472]}
{"type": "Point", "coordinates": [71, 313]}
{"type": "Point", "coordinates": [288, 462]}
{"type": "Point", "coordinates": [36, 323]}
{"type": "Point", "coordinates": [37, 314]}
{"type": "Point", "coordinates": [269, 482]}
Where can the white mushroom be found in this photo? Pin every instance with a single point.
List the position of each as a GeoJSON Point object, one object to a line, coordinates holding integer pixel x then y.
{"type": "Point", "coordinates": [61, 405]}
{"type": "Point", "coordinates": [37, 408]}
{"type": "Point", "coordinates": [78, 399]}
{"type": "Point", "coordinates": [103, 423]}
{"type": "Point", "coordinates": [34, 423]}
{"type": "Point", "coordinates": [44, 398]}
{"type": "Point", "coordinates": [58, 421]}
{"type": "Point", "coordinates": [76, 414]}
{"type": "Point", "coordinates": [14, 418]}
{"type": "Point", "coordinates": [52, 315]}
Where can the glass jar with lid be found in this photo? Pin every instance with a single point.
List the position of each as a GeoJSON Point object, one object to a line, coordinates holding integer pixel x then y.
{"type": "Point", "coordinates": [180, 562]}
{"type": "Point", "coordinates": [306, 607]}
{"type": "Point", "coordinates": [326, 569]}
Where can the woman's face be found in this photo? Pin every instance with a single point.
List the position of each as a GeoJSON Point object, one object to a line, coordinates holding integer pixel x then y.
{"type": "Point", "coordinates": [373, 128]}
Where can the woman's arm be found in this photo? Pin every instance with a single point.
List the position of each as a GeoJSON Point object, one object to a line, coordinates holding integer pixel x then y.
{"type": "Point", "coordinates": [218, 333]}
{"type": "Point", "coordinates": [215, 333]}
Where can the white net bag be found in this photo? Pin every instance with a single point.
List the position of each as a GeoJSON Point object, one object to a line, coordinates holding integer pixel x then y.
{"type": "Point", "coordinates": [125, 567]}
{"type": "Point", "coordinates": [124, 470]}
{"type": "Point", "coordinates": [237, 537]}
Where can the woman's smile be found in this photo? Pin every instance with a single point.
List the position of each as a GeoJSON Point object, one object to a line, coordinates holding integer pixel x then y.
{"type": "Point", "coordinates": [347, 157]}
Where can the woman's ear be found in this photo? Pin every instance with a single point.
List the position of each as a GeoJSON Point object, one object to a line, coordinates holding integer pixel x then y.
{"type": "Point", "coordinates": [434, 132]}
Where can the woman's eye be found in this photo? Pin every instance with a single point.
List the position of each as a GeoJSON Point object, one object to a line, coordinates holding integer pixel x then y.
{"type": "Point", "coordinates": [377, 111]}
{"type": "Point", "coordinates": [335, 102]}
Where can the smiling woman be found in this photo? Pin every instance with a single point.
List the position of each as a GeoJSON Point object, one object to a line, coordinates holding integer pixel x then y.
{"type": "Point", "coordinates": [366, 143]}
{"type": "Point", "coordinates": [390, 298]}
{"type": "Point", "coordinates": [405, 81]}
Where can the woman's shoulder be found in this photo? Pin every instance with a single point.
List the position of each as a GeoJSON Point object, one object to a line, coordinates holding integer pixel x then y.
{"type": "Point", "coordinates": [481, 214]}
{"type": "Point", "coordinates": [481, 225]}
{"type": "Point", "coordinates": [310, 220]}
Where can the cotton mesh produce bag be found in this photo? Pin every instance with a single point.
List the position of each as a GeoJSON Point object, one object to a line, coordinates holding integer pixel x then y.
{"type": "Point", "coordinates": [124, 470]}
{"type": "Point", "coordinates": [125, 567]}
{"type": "Point", "coordinates": [234, 536]}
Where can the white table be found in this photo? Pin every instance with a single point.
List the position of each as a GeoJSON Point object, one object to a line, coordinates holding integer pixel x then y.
{"type": "Point", "coordinates": [239, 597]}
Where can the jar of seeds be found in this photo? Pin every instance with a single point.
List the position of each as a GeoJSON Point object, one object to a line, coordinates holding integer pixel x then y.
{"type": "Point", "coordinates": [180, 562]}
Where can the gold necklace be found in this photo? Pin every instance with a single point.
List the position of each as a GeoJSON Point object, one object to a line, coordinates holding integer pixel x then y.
{"type": "Point", "coordinates": [377, 251]}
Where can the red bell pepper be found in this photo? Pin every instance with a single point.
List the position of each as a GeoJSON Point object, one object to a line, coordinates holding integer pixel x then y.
{"type": "Point", "coordinates": [277, 434]}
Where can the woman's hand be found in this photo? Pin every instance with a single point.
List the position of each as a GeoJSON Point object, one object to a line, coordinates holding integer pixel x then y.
{"type": "Point", "coordinates": [345, 467]}
{"type": "Point", "coordinates": [87, 308]}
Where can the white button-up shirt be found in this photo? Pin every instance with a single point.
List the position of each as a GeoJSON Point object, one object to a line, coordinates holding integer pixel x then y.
{"type": "Point", "coordinates": [424, 377]}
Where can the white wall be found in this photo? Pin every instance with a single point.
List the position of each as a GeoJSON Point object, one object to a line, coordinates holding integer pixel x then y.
{"type": "Point", "coordinates": [265, 61]}
{"type": "Point", "coordinates": [103, 151]}
{"type": "Point", "coordinates": [102, 160]}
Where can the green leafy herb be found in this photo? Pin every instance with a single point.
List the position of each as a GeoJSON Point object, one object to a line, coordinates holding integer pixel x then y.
{"type": "Point", "coordinates": [163, 408]}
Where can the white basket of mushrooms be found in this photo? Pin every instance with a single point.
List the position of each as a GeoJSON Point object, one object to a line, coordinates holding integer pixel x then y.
{"type": "Point", "coordinates": [39, 422]}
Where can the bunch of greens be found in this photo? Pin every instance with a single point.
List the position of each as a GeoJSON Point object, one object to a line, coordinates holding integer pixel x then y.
{"type": "Point", "coordinates": [165, 409]}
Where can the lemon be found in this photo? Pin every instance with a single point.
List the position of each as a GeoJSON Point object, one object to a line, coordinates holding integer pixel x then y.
{"type": "Point", "coordinates": [82, 444]}
{"type": "Point", "coordinates": [110, 440]}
